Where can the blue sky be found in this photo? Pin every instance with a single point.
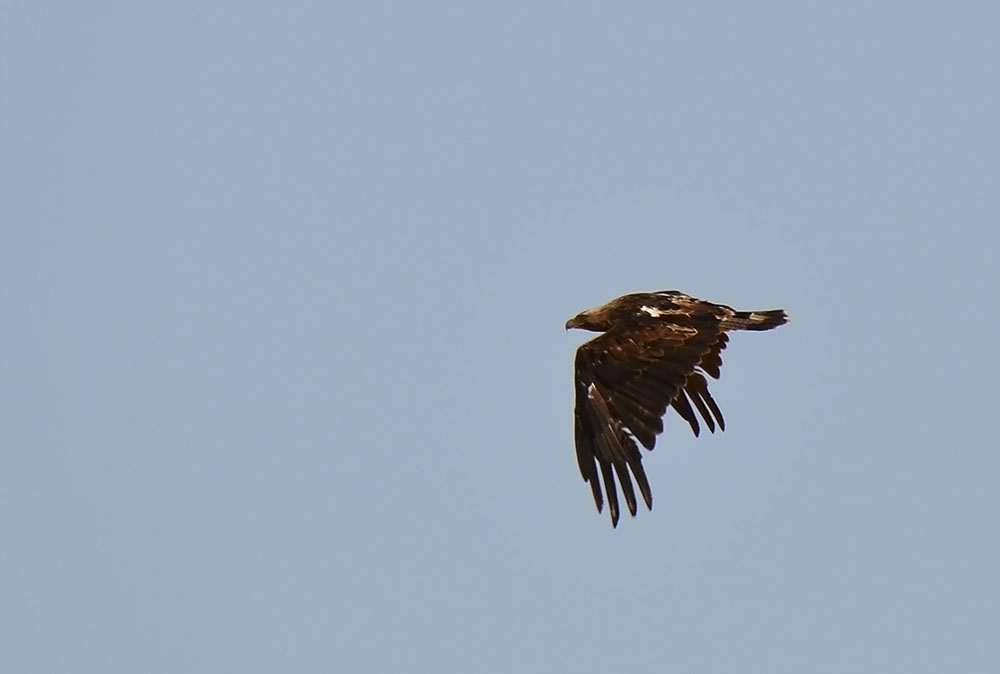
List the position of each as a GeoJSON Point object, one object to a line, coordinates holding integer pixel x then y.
{"type": "Point", "coordinates": [286, 385]}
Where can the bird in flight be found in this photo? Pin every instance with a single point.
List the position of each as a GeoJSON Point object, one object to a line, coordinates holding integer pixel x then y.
{"type": "Point", "coordinates": [655, 352]}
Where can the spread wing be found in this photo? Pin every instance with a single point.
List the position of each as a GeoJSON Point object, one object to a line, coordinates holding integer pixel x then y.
{"type": "Point", "coordinates": [625, 380]}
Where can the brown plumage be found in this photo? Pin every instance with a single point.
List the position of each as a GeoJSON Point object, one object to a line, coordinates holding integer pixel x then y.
{"type": "Point", "coordinates": [655, 352]}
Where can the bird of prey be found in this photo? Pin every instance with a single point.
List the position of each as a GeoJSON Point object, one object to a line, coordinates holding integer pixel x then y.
{"type": "Point", "coordinates": [655, 352]}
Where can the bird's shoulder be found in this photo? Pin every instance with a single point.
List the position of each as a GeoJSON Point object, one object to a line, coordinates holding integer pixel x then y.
{"type": "Point", "coordinates": [663, 306]}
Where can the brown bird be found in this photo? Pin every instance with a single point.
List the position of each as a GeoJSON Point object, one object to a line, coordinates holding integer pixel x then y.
{"type": "Point", "coordinates": [655, 352]}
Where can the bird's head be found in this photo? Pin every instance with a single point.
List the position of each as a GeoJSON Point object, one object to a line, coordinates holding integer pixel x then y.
{"type": "Point", "coordinates": [596, 320]}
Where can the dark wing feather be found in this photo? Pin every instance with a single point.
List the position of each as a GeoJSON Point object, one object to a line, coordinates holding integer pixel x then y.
{"type": "Point", "coordinates": [711, 362]}
{"type": "Point", "coordinates": [697, 388]}
{"type": "Point", "coordinates": [683, 407]}
{"type": "Point", "coordinates": [625, 380]}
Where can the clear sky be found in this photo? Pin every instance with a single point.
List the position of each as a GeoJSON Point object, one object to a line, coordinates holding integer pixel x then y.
{"type": "Point", "coordinates": [285, 381]}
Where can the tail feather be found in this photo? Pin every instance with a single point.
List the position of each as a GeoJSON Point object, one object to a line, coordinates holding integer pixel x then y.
{"type": "Point", "coordinates": [755, 320]}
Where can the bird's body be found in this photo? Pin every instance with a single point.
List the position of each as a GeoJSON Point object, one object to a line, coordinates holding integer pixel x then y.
{"type": "Point", "coordinates": [654, 353]}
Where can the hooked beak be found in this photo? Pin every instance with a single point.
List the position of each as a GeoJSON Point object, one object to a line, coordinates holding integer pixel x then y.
{"type": "Point", "coordinates": [574, 322]}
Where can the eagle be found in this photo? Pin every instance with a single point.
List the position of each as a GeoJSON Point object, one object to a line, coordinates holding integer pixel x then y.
{"type": "Point", "coordinates": [654, 353]}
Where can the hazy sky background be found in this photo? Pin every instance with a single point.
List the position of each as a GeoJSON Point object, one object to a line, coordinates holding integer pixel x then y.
{"type": "Point", "coordinates": [285, 381]}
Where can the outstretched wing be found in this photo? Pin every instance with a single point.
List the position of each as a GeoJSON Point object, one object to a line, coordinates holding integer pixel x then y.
{"type": "Point", "coordinates": [625, 380]}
